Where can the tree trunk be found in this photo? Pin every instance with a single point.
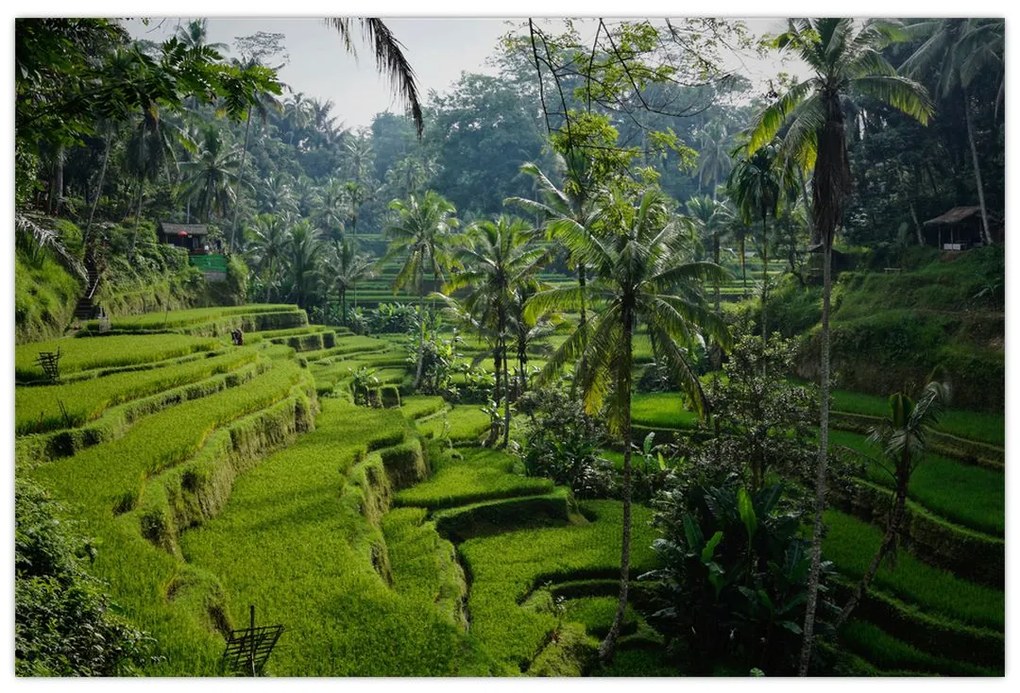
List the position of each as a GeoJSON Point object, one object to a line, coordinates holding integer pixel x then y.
{"type": "Point", "coordinates": [138, 218]}
{"type": "Point", "coordinates": [743, 267]}
{"type": "Point", "coordinates": [820, 478]}
{"type": "Point", "coordinates": [977, 168]}
{"type": "Point", "coordinates": [240, 177]}
{"type": "Point", "coordinates": [506, 397]}
{"type": "Point", "coordinates": [716, 258]}
{"type": "Point", "coordinates": [917, 225]}
{"type": "Point", "coordinates": [421, 340]}
{"type": "Point", "coordinates": [99, 193]}
{"type": "Point", "coordinates": [343, 305]}
{"type": "Point", "coordinates": [892, 532]}
{"type": "Point", "coordinates": [764, 276]}
{"type": "Point", "coordinates": [582, 281]}
{"type": "Point", "coordinates": [608, 646]}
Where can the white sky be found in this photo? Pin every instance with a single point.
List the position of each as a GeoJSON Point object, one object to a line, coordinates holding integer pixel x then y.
{"type": "Point", "coordinates": [438, 48]}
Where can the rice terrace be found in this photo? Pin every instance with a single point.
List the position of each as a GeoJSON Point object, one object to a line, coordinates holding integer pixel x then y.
{"type": "Point", "coordinates": [635, 348]}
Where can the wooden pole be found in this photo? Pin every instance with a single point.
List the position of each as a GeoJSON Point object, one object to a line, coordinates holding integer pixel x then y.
{"type": "Point", "coordinates": [251, 652]}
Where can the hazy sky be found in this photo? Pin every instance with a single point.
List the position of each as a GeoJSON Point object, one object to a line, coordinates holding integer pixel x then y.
{"type": "Point", "coordinates": [439, 49]}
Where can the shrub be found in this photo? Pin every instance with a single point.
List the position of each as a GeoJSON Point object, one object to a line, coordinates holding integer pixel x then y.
{"type": "Point", "coordinates": [734, 578]}
{"type": "Point", "coordinates": [392, 318]}
{"type": "Point", "coordinates": [564, 443]}
{"type": "Point", "coordinates": [63, 624]}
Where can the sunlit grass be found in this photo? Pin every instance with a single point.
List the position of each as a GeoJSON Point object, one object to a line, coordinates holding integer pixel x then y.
{"type": "Point", "coordinates": [851, 543]}
{"type": "Point", "coordinates": [80, 354]}
{"type": "Point", "coordinates": [969, 495]}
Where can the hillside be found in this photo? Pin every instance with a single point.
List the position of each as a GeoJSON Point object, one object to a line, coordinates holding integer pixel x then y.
{"type": "Point", "coordinates": [891, 328]}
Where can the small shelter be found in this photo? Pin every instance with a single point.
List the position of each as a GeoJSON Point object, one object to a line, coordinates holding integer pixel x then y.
{"type": "Point", "coordinates": [959, 229]}
{"type": "Point", "coordinates": [192, 237]}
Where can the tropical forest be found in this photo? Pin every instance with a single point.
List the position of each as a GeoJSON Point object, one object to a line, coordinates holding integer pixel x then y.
{"type": "Point", "coordinates": [612, 358]}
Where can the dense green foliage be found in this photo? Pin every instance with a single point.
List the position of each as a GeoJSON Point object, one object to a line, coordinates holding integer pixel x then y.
{"type": "Point", "coordinates": [348, 486]}
{"type": "Point", "coordinates": [64, 624]}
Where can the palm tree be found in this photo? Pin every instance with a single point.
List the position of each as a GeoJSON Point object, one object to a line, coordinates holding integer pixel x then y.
{"type": "Point", "coordinates": [903, 441]}
{"type": "Point", "coordinates": [210, 174]}
{"type": "Point", "coordinates": [565, 210]}
{"type": "Point", "coordinates": [714, 161]}
{"type": "Point", "coordinates": [269, 247]}
{"type": "Point", "coordinates": [527, 330]}
{"type": "Point", "coordinates": [262, 103]}
{"type": "Point", "coordinates": [277, 196]}
{"type": "Point", "coordinates": [297, 115]}
{"type": "Point", "coordinates": [150, 151]}
{"type": "Point", "coordinates": [304, 261]}
{"type": "Point", "coordinates": [420, 234]}
{"type": "Point", "coordinates": [958, 50]}
{"type": "Point", "coordinates": [501, 257]}
{"type": "Point", "coordinates": [637, 253]}
{"type": "Point", "coordinates": [331, 210]}
{"type": "Point", "coordinates": [194, 34]}
{"type": "Point", "coordinates": [346, 267]}
{"type": "Point", "coordinates": [845, 55]}
{"type": "Point", "coordinates": [711, 218]}
{"type": "Point", "coordinates": [755, 185]}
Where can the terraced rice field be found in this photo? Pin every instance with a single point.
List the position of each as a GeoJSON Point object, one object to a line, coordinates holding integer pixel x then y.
{"type": "Point", "coordinates": [386, 542]}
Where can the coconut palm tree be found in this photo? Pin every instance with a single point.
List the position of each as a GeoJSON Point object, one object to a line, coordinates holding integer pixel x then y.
{"type": "Point", "coordinates": [637, 252]}
{"type": "Point", "coordinates": [958, 50]}
{"type": "Point", "coordinates": [903, 441]}
{"type": "Point", "coordinates": [845, 56]}
{"type": "Point", "coordinates": [263, 102]}
{"type": "Point", "coordinates": [208, 176]}
{"type": "Point", "coordinates": [712, 219]}
{"type": "Point", "coordinates": [194, 35]}
{"type": "Point", "coordinates": [500, 258]}
{"type": "Point", "coordinates": [345, 267]}
{"type": "Point", "coordinates": [420, 233]}
{"type": "Point", "coordinates": [150, 151]}
{"type": "Point", "coordinates": [564, 210]}
{"type": "Point", "coordinates": [304, 265]}
{"type": "Point", "coordinates": [756, 185]}
{"type": "Point", "coordinates": [714, 161]}
{"type": "Point", "coordinates": [269, 246]}
{"type": "Point", "coordinates": [276, 196]}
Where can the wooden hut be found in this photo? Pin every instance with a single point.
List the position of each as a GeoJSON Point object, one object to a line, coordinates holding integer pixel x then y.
{"type": "Point", "coordinates": [192, 237]}
{"type": "Point", "coordinates": [959, 229]}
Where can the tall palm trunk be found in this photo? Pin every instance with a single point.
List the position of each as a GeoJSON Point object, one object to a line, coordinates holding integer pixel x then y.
{"type": "Point", "coordinates": [977, 168]}
{"type": "Point", "coordinates": [821, 472]}
{"type": "Point", "coordinates": [240, 177]}
{"type": "Point", "coordinates": [764, 276]}
{"type": "Point", "coordinates": [743, 262]}
{"type": "Point", "coordinates": [506, 396]}
{"type": "Point", "coordinates": [99, 192]}
{"type": "Point", "coordinates": [623, 384]}
{"type": "Point", "coordinates": [582, 281]}
{"type": "Point", "coordinates": [343, 304]}
{"type": "Point", "coordinates": [421, 338]}
{"type": "Point", "coordinates": [138, 218]}
{"type": "Point", "coordinates": [892, 531]}
{"type": "Point", "coordinates": [715, 258]}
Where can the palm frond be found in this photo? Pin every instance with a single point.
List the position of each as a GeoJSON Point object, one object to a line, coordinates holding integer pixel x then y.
{"type": "Point", "coordinates": [389, 58]}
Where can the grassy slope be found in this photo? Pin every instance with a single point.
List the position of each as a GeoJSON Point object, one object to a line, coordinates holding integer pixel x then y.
{"type": "Point", "coordinates": [972, 496]}
{"type": "Point", "coordinates": [342, 618]}
{"type": "Point", "coordinates": [850, 544]}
